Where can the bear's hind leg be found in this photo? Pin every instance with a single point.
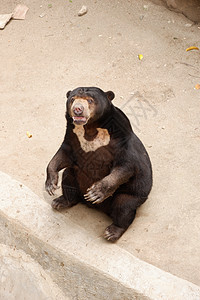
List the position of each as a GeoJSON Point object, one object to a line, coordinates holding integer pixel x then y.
{"type": "Point", "coordinates": [71, 194]}
{"type": "Point", "coordinates": [60, 203]}
{"type": "Point", "coordinates": [123, 213]}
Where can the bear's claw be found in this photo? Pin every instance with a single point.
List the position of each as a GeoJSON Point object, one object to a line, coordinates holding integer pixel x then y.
{"type": "Point", "coordinates": [60, 203]}
{"type": "Point", "coordinates": [95, 199]}
{"type": "Point", "coordinates": [94, 195]}
{"type": "Point", "coordinates": [51, 189]}
{"type": "Point", "coordinates": [113, 233]}
{"type": "Point", "coordinates": [98, 192]}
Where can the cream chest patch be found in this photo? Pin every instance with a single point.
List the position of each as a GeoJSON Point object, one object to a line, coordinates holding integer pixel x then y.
{"type": "Point", "coordinates": [102, 138]}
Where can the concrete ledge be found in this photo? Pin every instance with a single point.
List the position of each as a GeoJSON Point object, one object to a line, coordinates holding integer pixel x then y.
{"type": "Point", "coordinates": [23, 278]}
{"type": "Point", "coordinates": [81, 267]}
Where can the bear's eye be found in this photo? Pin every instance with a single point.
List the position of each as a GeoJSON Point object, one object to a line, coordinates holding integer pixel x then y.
{"type": "Point", "coordinates": [89, 100]}
{"type": "Point", "coordinates": [72, 100]}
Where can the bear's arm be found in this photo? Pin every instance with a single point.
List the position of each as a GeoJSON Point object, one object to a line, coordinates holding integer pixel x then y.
{"type": "Point", "coordinates": [105, 188]}
{"type": "Point", "coordinates": [61, 160]}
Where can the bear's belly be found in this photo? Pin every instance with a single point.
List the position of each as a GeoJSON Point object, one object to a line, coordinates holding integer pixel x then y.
{"type": "Point", "coordinates": [93, 158]}
{"type": "Point", "coordinates": [92, 166]}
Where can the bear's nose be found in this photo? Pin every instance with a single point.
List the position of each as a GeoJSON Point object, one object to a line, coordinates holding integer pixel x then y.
{"type": "Point", "coordinates": [78, 109]}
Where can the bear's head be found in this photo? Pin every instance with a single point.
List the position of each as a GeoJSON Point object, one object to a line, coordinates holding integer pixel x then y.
{"type": "Point", "coordinates": [88, 104]}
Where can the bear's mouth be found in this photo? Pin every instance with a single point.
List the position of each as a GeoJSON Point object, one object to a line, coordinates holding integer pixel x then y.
{"type": "Point", "coordinates": [79, 120]}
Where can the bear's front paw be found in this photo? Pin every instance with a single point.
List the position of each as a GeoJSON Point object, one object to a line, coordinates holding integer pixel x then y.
{"type": "Point", "coordinates": [51, 184]}
{"type": "Point", "coordinates": [97, 193]}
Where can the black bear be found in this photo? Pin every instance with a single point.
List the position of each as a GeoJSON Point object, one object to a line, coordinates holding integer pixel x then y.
{"type": "Point", "coordinates": [106, 165]}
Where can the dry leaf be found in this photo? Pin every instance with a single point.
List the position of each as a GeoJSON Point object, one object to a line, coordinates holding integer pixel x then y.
{"type": "Point", "coordinates": [29, 135]}
{"type": "Point", "coordinates": [192, 48]}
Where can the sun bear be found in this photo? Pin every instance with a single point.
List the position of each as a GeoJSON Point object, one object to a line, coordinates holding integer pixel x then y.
{"type": "Point", "coordinates": [106, 165]}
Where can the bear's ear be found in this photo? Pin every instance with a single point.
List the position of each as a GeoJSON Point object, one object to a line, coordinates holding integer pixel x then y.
{"type": "Point", "coordinates": [68, 93]}
{"type": "Point", "coordinates": [110, 95]}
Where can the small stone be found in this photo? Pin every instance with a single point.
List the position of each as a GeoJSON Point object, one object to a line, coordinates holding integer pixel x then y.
{"type": "Point", "coordinates": [83, 11]}
{"type": "Point", "coordinates": [42, 15]}
{"type": "Point", "coordinates": [188, 25]}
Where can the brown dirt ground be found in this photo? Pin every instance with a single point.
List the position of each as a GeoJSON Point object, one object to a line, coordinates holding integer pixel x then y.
{"type": "Point", "coordinates": [42, 58]}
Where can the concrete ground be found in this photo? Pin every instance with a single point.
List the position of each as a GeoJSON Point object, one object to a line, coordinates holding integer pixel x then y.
{"type": "Point", "coordinates": [43, 57]}
{"type": "Point", "coordinates": [57, 259]}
